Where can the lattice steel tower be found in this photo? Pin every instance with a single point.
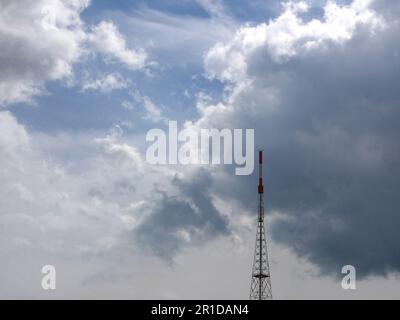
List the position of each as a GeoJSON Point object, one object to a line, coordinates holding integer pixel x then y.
{"type": "Point", "coordinates": [261, 278]}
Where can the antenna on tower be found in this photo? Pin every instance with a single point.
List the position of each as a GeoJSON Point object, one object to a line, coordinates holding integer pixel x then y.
{"type": "Point", "coordinates": [261, 278]}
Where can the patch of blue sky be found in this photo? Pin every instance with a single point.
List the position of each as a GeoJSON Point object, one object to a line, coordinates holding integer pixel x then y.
{"type": "Point", "coordinates": [175, 35]}
{"type": "Point", "coordinates": [177, 7]}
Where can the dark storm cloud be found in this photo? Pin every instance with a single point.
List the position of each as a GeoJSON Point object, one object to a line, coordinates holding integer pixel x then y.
{"type": "Point", "coordinates": [192, 212]}
{"type": "Point", "coordinates": [335, 167]}
{"type": "Point", "coordinates": [332, 147]}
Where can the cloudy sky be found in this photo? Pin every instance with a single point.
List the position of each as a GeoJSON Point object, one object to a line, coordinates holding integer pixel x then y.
{"type": "Point", "coordinates": [82, 82]}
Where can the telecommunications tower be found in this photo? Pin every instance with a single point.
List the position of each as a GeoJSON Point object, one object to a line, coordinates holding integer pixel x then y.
{"type": "Point", "coordinates": [260, 278]}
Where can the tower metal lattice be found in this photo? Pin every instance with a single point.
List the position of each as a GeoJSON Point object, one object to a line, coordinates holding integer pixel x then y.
{"type": "Point", "coordinates": [261, 277]}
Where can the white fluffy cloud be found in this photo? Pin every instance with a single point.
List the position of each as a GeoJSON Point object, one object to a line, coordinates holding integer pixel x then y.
{"type": "Point", "coordinates": [43, 40]}
{"type": "Point", "coordinates": [104, 84]}
{"type": "Point", "coordinates": [288, 35]}
{"type": "Point", "coordinates": [106, 38]}
{"type": "Point", "coordinates": [54, 202]}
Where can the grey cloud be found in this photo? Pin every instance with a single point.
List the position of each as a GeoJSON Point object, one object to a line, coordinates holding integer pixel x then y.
{"type": "Point", "coordinates": [329, 122]}
{"type": "Point", "coordinates": [193, 213]}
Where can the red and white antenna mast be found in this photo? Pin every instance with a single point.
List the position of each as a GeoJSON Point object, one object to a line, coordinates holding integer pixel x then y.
{"type": "Point", "coordinates": [261, 278]}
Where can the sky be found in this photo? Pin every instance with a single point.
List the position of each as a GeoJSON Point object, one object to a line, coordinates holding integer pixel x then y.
{"type": "Point", "coordinates": [81, 84]}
